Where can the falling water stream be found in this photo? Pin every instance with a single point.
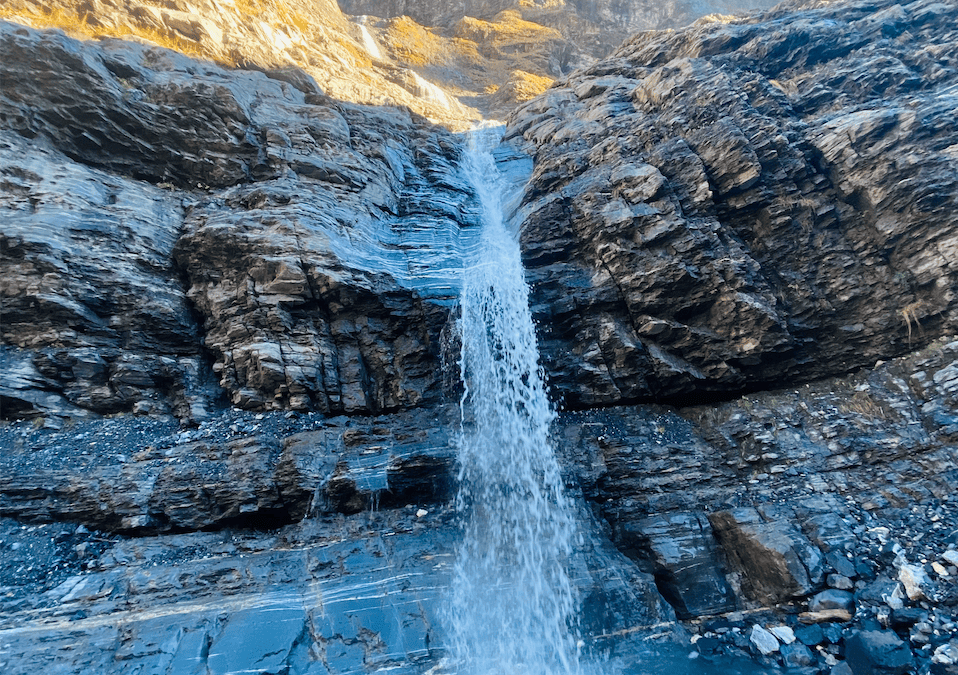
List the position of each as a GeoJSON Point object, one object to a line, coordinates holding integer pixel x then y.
{"type": "Point", "coordinates": [512, 606]}
{"type": "Point", "coordinates": [512, 602]}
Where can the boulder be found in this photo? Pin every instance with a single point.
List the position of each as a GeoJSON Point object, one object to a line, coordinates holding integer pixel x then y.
{"type": "Point", "coordinates": [776, 559]}
{"type": "Point", "coordinates": [680, 550]}
{"type": "Point", "coordinates": [878, 652]}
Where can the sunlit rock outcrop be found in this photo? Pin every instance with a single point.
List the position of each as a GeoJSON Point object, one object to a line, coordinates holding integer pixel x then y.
{"type": "Point", "coordinates": [737, 204]}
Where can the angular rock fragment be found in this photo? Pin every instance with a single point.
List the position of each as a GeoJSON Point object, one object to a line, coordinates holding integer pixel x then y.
{"type": "Point", "coordinates": [776, 560]}
{"type": "Point", "coordinates": [878, 653]}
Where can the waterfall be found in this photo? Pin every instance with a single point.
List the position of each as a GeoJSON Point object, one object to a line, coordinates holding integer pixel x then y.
{"type": "Point", "coordinates": [369, 42]}
{"type": "Point", "coordinates": [512, 604]}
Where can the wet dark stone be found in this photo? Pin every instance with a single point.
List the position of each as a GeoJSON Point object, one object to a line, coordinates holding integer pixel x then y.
{"type": "Point", "coordinates": [878, 653]}
{"type": "Point", "coordinates": [797, 654]}
{"type": "Point", "coordinates": [833, 632]}
{"type": "Point", "coordinates": [810, 635]}
{"type": "Point", "coordinates": [906, 617]}
{"type": "Point", "coordinates": [841, 564]}
{"type": "Point", "coordinates": [681, 552]}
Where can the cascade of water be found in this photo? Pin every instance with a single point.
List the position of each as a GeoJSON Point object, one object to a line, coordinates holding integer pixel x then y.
{"type": "Point", "coordinates": [512, 602]}
{"type": "Point", "coordinates": [369, 42]}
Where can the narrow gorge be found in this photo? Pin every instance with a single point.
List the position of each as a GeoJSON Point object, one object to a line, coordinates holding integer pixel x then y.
{"type": "Point", "coordinates": [293, 381]}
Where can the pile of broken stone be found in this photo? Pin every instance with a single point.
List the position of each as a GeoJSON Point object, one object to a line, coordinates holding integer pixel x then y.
{"type": "Point", "coordinates": [890, 606]}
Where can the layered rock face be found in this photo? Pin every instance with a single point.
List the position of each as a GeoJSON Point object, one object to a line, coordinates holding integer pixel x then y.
{"type": "Point", "coordinates": [69, 233]}
{"type": "Point", "coordinates": [314, 245]}
{"type": "Point", "coordinates": [732, 207]}
{"type": "Point", "coordinates": [827, 511]}
{"type": "Point", "coordinates": [721, 208]}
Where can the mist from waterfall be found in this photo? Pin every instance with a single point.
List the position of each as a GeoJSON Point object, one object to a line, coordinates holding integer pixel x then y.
{"type": "Point", "coordinates": [512, 607]}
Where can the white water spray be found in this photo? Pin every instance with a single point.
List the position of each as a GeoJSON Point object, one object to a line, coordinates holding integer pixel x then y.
{"type": "Point", "coordinates": [512, 605]}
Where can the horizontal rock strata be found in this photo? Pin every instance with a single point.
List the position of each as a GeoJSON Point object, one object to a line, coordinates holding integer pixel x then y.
{"type": "Point", "coordinates": [242, 473]}
{"type": "Point", "coordinates": [161, 212]}
{"type": "Point", "coordinates": [731, 205]}
{"type": "Point", "coordinates": [833, 501]}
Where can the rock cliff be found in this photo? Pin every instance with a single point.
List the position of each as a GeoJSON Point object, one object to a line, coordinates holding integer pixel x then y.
{"type": "Point", "coordinates": [592, 29]}
{"type": "Point", "coordinates": [739, 204]}
{"type": "Point", "coordinates": [313, 244]}
{"type": "Point", "coordinates": [754, 219]}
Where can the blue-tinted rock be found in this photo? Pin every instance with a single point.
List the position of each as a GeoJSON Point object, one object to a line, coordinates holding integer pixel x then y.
{"type": "Point", "coordinates": [832, 599]}
{"type": "Point", "coordinates": [878, 653]}
{"type": "Point", "coordinates": [258, 639]}
{"type": "Point", "coordinates": [833, 632]}
{"type": "Point", "coordinates": [841, 564]}
{"type": "Point", "coordinates": [810, 635]}
{"type": "Point", "coordinates": [680, 550]}
{"type": "Point", "coordinates": [830, 532]}
{"type": "Point", "coordinates": [797, 654]}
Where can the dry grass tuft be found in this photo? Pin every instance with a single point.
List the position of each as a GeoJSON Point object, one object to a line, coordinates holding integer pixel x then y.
{"type": "Point", "coordinates": [864, 407]}
{"type": "Point", "coordinates": [909, 315]}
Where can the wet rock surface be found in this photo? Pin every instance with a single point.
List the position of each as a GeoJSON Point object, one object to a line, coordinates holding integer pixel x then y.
{"type": "Point", "coordinates": [732, 205]}
{"type": "Point", "coordinates": [759, 510]}
{"type": "Point", "coordinates": [718, 210]}
{"type": "Point", "coordinates": [309, 248]}
{"type": "Point", "coordinates": [347, 592]}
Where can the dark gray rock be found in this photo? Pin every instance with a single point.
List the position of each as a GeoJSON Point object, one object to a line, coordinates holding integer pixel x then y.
{"type": "Point", "coordinates": [878, 653]}
{"type": "Point", "coordinates": [832, 599]}
{"type": "Point", "coordinates": [810, 635]}
{"type": "Point", "coordinates": [830, 533]}
{"type": "Point", "coordinates": [840, 582]}
{"type": "Point", "coordinates": [906, 617]}
{"type": "Point", "coordinates": [681, 552]}
{"type": "Point", "coordinates": [346, 467]}
{"type": "Point", "coordinates": [879, 591]}
{"type": "Point", "coordinates": [797, 655]}
{"type": "Point", "coordinates": [69, 232]}
{"type": "Point", "coordinates": [711, 210]}
{"type": "Point", "coordinates": [331, 594]}
{"type": "Point", "coordinates": [841, 564]}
